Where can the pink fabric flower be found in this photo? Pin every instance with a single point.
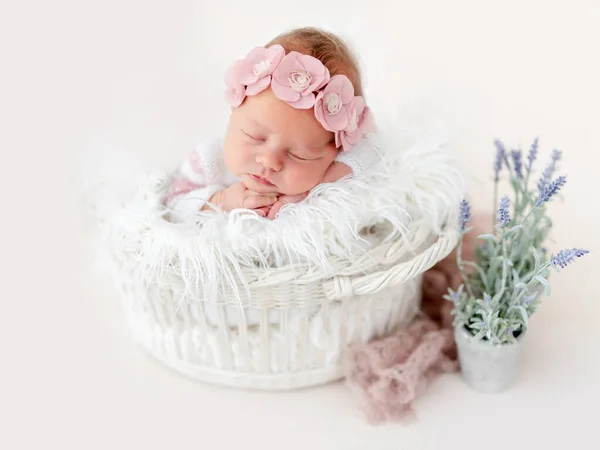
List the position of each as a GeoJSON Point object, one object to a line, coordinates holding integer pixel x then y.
{"type": "Point", "coordinates": [360, 122]}
{"type": "Point", "coordinates": [236, 93]}
{"type": "Point", "coordinates": [252, 74]}
{"type": "Point", "coordinates": [297, 77]}
{"type": "Point", "coordinates": [256, 69]}
{"type": "Point", "coordinates": [294, 78]}
{"type": "Point", "coordinates": [334, 106]}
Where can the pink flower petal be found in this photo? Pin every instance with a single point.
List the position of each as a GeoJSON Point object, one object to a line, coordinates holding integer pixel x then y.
{"type": "Point", "coordinates": [338, 121]}
{"type": "Point", "coordinates": [259, 86]}
{"type": "Point", "coordinates": [275, 54]}
{"type": "Point", "coordinates": [365, 125]}
{"type": "Point", "coordinates": [232, 77]}
{"type": "Point", "coordinates": [257, 54]}
{"type": "Point", "coordinates": [319, 113]}
{"type": "Point", "coordinates": [305, 102]}
{"type": "Point", "coordinates": [317, 71]}
{"type": "Point", "coordinates": [235, 97]}
{"type": "Point", "coordinates": [246, 71]}
{"type": "Point", "coordinates": [311, 64]}
{"type": "Point", "coordinates": [338, 139]}
{"type": "Point", "coordinates": [325, 78]}
{"type": "Point", "coordinates": [288, 64]}
{"type": "Point", "coordinates": [282, 92]}
{"type": "Point", "coordinates": [359, 104]}
{"type": "Point", "coordinates": [342, 85]}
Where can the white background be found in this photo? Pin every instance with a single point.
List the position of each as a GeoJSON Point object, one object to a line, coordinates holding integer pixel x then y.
{"type": "Point", "coordinates": [88, 82]}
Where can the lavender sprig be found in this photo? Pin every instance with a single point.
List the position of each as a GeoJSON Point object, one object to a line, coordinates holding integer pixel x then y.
{"type": "Point", "coordinates": [556, 156]}
{"type": "Point", "coordinates": [503, 215]}
{"type": "Point", "coordinates": [549, 171]}
{"type": "Point", "coordinates": [500, 157]}
{"type": "Point", "coordinates": [565, 257]}
{"type": "Point", "coordinates": [517, 162]}
{"type": "Point", "coordinates": [550, 190]}
{"type": "Point", "coordinates": [465, 214]}
{"type": "Point", "coordinates": [531, 157]}
{"type": "Point", "coordinates": [464, 217]}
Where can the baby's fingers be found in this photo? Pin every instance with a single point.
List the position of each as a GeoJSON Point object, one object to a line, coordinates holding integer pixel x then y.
{"type": "Point", "coordinates": [259, 201]}
{"type": "Point", "coordinates": [262, 212]}
{"type": "Point", "coordinates": [284, 200]}
{"type": "Point", "coordinates": [274, 210]}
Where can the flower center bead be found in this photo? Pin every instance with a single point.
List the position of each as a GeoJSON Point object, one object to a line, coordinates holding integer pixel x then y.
{"type": "Point", "coordinates": [333, 103]}
{"type": "Point", "coordinates": [262, 68]}
{"type": "Point", "coordinates": [299, 81]}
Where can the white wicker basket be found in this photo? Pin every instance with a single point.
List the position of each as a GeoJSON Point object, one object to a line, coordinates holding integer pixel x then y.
{"type": "Point", "coordinates": [286, 326]}
{"type": "Point", "coordinates": [302, 344]}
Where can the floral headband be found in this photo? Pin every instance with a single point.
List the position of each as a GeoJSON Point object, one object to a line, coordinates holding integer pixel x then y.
{"type": "Point", "coordinates": [303, 82]}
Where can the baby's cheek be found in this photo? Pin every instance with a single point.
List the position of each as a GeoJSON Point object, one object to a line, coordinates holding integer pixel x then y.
{"type": "Point", "coordinates": [305, 178]}
{"type": "Point", "coordinates": [236, 157]}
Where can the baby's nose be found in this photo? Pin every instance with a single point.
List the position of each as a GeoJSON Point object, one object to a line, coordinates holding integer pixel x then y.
{"type": "Point", "coordinates": [270, 161]}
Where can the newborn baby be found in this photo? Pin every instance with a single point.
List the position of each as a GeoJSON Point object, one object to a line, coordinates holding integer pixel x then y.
{"type": "Point", "coordinates": [298, 120]}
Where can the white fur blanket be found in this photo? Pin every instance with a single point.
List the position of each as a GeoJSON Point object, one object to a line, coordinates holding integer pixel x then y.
{"type": "Point", "coordinates": [418, 185]}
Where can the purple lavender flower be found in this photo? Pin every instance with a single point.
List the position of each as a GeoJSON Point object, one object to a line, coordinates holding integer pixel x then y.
{"type": "Point", "coordinates": [565, 257]}
{"type": "Point", "coordinates": [517, 158]}
{"type": "Point", "coordinates": [500, 156]}
{"type": "Point", "coordinates": [549, 171]}
{"type": "Point", "coordinates": [503, 216]}
{"type": "Point", "coordinates": [528, 298]}
{"type": "Point", "coordinates": [532, 154]}
{"type": "Point", "coordinates": [487, 298]}
{"type": "Point", "coordinates": [465, 214]}
{"type": "Point", "coordinates": [556, 156]}
{"type": "Point", "coordinates": [550, 190]}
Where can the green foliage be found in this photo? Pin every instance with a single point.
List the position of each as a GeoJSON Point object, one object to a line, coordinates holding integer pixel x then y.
{"type": "Point", "coordinates": [511, 268]}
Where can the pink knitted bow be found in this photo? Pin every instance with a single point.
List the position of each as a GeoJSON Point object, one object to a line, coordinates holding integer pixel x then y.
{"type": "Point", "coordinates": [303, 82]}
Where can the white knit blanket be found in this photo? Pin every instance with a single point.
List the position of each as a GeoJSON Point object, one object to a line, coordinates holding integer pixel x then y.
{"type": "Point", "coordinates": [418, 185]}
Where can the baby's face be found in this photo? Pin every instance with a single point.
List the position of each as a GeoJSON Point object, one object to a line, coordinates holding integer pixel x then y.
{"type": "Point", "coordinates": [275, 148]}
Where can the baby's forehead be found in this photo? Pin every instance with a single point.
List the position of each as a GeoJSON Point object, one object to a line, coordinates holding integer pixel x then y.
{"type": "Point", "coordinates": [303, 133]}
{"type": "Point", "coordinates": [276, 117]}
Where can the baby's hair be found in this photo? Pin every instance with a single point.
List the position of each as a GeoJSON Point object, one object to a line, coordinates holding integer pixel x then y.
{"type": "Point", "coordinates": [332, 51]}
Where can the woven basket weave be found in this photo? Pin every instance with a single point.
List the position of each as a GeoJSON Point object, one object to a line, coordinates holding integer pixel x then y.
{"type": "Point", "coordinates": [291, 325]}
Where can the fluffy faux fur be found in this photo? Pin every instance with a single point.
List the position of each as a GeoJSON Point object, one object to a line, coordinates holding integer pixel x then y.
{"type": "Point", "coordinates": [418, 184]}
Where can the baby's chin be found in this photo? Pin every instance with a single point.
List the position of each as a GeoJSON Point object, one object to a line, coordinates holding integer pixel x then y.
{"type": "Point", "coordinates": [288, 190]}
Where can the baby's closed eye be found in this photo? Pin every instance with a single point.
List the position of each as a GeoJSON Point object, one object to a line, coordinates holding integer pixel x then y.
{"type": "Point", "coordinates": [301, 158]}
{"type": "Point", "coordinates": [254, 136]}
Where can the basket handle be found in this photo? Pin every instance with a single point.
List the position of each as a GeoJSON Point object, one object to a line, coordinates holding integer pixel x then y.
{"type": "Point", "coordinates": [342, 286]}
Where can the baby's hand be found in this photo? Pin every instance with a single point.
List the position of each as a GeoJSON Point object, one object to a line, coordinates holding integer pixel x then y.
{"type": "Point", "coordinates": [336, 171]}
{"type": "Point", "coordinates": [238, 196]}
{"type": "Point", "coordinates": [284, 200]}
